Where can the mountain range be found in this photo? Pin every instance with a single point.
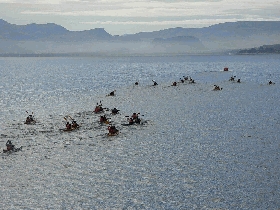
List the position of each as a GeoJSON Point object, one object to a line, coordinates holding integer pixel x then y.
{"type": "Point", "coordinates": [53, 39]}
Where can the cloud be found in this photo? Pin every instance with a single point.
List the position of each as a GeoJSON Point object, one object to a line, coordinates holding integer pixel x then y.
{"type": "Point", "coordinates": [79, 14]}
{"type": "Point", "coordinates": [140, 8]}
{"type": "Point", "coordinates": [182, 22]}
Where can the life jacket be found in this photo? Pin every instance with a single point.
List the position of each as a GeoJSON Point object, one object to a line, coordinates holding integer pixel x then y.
{"type": "Point", "coordinates": [98, 109]}
{"type": "Point", "coordinates": [137, 120]}
{"type": "Point", "coordinates": [75, 124]}
{"type": "Point", "coordinates": [130, 121]}
{"type": "Point", "coordinates": [134, 116]}
{"type": "Point", "coordinates": [9, 147]}
{"type": "Point", "coordinates": [103, 119]}
{"type": "Point", "coordinates": [112, 129]}
{"type": "Point", "coordinates": [28, 120]}
{"type": "Point", "coordinates": [68, 125]}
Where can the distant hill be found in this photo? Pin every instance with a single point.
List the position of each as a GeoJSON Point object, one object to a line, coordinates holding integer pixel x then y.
{"type": "Point", "coordinates": [51, 38]}
{"type": "Point", "coordinates": [221, 30]}
{"type": "Point", "coordinates": [265, 49]}
{"type": "Point", "coordinates": [48, 32]}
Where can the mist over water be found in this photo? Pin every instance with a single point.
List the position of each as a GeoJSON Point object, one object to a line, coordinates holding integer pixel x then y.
{"type": "Point", "coordinates": [196, 149]}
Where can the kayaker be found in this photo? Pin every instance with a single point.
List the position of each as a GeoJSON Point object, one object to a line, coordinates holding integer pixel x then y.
{"type": "Point", "coordinates": [174, 84]}
{"type": "Point", "coordinates": [98, 108]}
{"type": "Point", "coordinates": [136, 83]}
{"type": "Point", "coordinates": [155, 83]}
{"type": "Point", "coordinates": [115, 111]}
{"type": "Point", "coordinates": [130, 121]}
{"type": "Point", "coordinates": [9, 145]}
{"type": "Point", "coordinates": [112, 93]}
{"type": "Point", "coordinates": [74, 124]}
{"type": "Point", "coordinates": [137, 120]}
{"type": "Point", "coordinates": [186, 78]}
{"type": "Point", "coordinates": [31, 118]}
{"type": "Point", "coordinates": [28, 120]}
{"type": "Point", "coordinates": [68, 126]}
{"type": "Point", "coordinates": [112, 130]}
{"type": "Point", "coordinates": [216, 87]}
{"type": "Point", "coordinates": [103, 119]}
{"type": "Point", "coordinates": [134, 116]}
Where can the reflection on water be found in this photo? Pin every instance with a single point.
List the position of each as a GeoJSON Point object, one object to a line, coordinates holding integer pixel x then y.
{"type": "Point", "coordinates": [196, 148]}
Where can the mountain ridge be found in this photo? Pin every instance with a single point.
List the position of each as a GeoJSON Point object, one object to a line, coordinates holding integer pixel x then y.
{"type": "Point", "coordinates": [53, 38]}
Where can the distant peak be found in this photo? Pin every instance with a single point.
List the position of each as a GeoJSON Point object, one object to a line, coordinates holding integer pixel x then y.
{"type": "Point", "coordinates": [2, 22]}
{"type": "Point", "coordinates": [99, 31]}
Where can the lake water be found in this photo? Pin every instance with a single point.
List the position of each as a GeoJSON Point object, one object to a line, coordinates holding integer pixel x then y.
{"type": "Point", "coordinates": [196, 149]}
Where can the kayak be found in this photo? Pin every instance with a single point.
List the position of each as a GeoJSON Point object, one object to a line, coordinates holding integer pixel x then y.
{"type": "Point", "coordinates": [126, 124]}
{"type": "Point", "coordinates": [30, 123]}
{"type": "Point", "coordinates": [68, 130]}
{"type": "Point", "coordinates": [13, 150]}
{"type": "Point", "coordinates": [100, 111]}
{"type": "Point", "coordinates": [106, 122]}
{"type": "Point", "coordinates": [134, 123]}
{"type": "Point", "coordinates": [113, 134]}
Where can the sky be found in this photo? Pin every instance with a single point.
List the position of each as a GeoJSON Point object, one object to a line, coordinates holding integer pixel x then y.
{"type": "Point", "coordinates": [121, 17]}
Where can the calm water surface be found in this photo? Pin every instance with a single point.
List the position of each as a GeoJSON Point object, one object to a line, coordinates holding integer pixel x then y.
{"type": "Point", "coordinates": [196, 148]}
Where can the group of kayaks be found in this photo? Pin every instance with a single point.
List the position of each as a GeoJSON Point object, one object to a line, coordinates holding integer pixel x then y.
{"type": "Point", "coordinates": [72, 125]}
{"type": "Point", "coordinates": [112, 130]}
{"type": "Point", "coordinates": [30, 120]}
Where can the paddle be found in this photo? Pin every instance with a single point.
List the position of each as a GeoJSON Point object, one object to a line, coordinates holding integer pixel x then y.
{"type": "Point", "coordinates": [28, 112]}
{"type": "Point", "coordinates": [137, 114]}
{"type": "Point", "coordinates": [65, 120]}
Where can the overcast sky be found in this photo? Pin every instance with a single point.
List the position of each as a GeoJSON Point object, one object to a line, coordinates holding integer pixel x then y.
{"type": "Point", "coordinates": [120, 17]}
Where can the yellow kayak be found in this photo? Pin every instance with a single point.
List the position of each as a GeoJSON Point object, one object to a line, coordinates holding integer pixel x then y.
{"type": "Point", "coordinates": [113, 134]}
